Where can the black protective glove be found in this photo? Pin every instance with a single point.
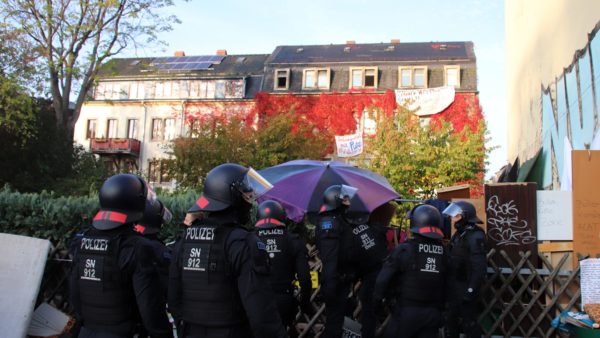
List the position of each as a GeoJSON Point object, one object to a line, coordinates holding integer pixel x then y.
{"type": "Point", "coordinates": [469, 296]}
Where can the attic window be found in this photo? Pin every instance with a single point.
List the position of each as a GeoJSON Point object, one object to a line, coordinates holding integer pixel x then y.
{"type": "Point", "coordinates": [363, 77]}
{"type": "Point", "coordinates": [282, 79]}
{"type": "Point", "coordinates": [346, 49]}
{"type": "Point", "coordinates": [299, 50]}
{"type": "Point", "coordinates": [443, 47]}
{"type": "Point", "coordinates": [134, 62]}
{"type": "Point", "coordinates": [240, 59]}
{"type": "Point", "coordinates": [390, 48]}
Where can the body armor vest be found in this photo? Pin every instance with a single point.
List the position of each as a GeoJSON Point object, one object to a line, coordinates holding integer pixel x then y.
{"type": "Point", "coordinates": [209, 290]}
{"type": "Point", "coordinates": [368, 247]}
{"type": "Point", "coordinates": [423, 280]}
{"type": "Point", "coordinates": [459, 254]}
{"type": "Point", "coordinates": [280, 257]}
{"type": "Point", "coordinates": [106, 293]}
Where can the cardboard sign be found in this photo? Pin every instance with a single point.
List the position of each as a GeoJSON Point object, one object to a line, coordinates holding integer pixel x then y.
{"type": "Point", "coordinates": [511, 219]}
{"type": "Point", "coordinates": [22, 262]}
{"type": "Point", "coordinates": [590, 281]}
{"type": "Point", "coordinates": [586, 203]}
{"type": "Point", "coordinates": [554, 216]}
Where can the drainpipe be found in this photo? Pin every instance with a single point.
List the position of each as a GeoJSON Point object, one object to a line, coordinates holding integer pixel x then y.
{"type": "Point", "coordinates": [143, 148]}
{"type": "Point", "coordinates": [181, 129]}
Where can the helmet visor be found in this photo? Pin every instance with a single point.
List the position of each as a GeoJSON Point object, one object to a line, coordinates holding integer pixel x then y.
{"type": "Point", "coordinates": [347, 192]}
{"type": "Point", "coordinates": [452, 210]}
{"type": "Point", "coordinates": [253, 186]}
{"type": "Point", "coordinates": [167, 216]}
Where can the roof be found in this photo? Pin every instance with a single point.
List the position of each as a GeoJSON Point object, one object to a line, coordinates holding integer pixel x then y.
{"type": "Point", "coordinates": [230, 66]}
{"type": "Point", "coordinates": [374, 52]}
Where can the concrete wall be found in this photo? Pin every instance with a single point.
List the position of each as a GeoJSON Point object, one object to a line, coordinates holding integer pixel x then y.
{"type": "Point", "coordinates": [542, 39]}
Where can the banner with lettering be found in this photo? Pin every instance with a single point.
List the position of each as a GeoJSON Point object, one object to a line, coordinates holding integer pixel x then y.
{"type": "Point", "coordinates": [425, 101]}
{"type": "Point", "coordinates": [349, 145]}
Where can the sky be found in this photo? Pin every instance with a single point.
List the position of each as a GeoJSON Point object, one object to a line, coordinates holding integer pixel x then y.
{"type": "Point", "coordinates": [257, 27]}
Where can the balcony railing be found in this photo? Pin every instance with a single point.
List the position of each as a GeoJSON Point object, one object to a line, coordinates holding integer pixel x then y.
{"type": "Point", "coordinates": [108, 146]}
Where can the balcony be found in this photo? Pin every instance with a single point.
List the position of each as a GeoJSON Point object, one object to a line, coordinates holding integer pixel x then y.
{"type": "Point", "coordinates": [115, 146]}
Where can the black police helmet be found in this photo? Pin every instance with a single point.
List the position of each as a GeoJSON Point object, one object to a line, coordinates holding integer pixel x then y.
{"type": "Point", "coordinates": [426, 221]}
{"type": "Point", "coordinates": [464, 208]}
{"type": "Point", "coordinates": [331, 198]}
{"type": "Point", "coordinates": [225, 186]}
{"type": "Point", "coordinates": [272, 210]}
{"type": "Point", "coordinates": [122, 200]}
{"type": "Point", "coordinates": [155, 214]}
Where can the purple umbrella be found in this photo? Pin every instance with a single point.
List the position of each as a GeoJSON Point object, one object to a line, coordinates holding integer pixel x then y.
{"type": "Point", "coordinates": [299, 185]}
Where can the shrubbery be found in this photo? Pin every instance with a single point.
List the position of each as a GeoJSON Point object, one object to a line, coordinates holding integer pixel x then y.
{"type": "Point", "coordinates": [56, 218]}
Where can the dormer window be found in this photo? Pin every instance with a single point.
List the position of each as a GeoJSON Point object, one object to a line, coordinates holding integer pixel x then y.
{"type": "Point", "coordinates": [282, 79]}
{"type": "Point", "coordinates": [363, 77]}
{"type": "Point", "coordinates": [412, 77]}
{"type": "Point", "coordinates": [452, 76]}
{"type": "Point", "coordinates": [316, 78]}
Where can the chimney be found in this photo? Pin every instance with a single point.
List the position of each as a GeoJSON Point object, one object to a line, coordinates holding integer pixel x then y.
{"type": "Point", "coordinates": [395, 41]}
{"type": "Point", "coordinates": [222, 52]}
{"type": "Point", "coordinates": [179, 53]}
{"type": "Point", "coordinates": [350, 42]}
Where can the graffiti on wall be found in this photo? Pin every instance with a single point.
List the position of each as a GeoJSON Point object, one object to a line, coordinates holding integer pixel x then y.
{"type": "Point", "coordinates": [570, 110]}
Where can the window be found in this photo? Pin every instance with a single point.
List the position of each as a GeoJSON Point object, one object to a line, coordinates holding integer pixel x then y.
{"type": "Point", "coordinates": [282, 79]}
{"type": "Point", "coordinates": [91, 129]}
{"type": "Point", "coordinates": [195, 128]}
{"type": "Point", "coordinates": [169, 129]}
{"type": "Point", "coordinates": [316, 79]}
{"type": "Point", "coordinates": [157, 130]}
{"type": "Point", "coordinates": [157, 172]}
{"type": "Point", "coordinates": [452, 76]}
{"type": "Point", "coordinates": [363, 77]}
{"type": "Point", "coordinates": [132, 128]}
{"type": "Point", "coordinates": [111, 128]}
{"type": "Point", "coordinates": [412, 77]}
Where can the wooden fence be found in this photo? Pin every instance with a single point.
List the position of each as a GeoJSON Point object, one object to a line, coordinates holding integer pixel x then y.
{"type": "Point", "coordinates": [517, 299]}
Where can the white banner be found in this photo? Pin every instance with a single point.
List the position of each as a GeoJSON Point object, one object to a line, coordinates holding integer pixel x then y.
{"type": "Point", "coordinates": [349, 145]}
{"type": "Point", "coordinates": [426, 101]}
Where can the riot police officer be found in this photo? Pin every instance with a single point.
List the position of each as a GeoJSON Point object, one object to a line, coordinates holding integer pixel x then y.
{"type": "Point", "coordinates": [114, 273]}
{"type": "Point", "coordinates": [467, 269]}
{"type": "Point", "coordinates": [415, 272]}
{"type": "Point", "coordinates": [219, 275]}
{"type": "Point", "coordinates": [348, 252]}
{"type": "Point", "coordinates": [155, 215]}
{"type": "Point", "coordinates": [288, 257]}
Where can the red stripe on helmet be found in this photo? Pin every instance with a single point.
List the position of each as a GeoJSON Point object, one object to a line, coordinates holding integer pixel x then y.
{"type": "Point", "coordinates": [110, 216]}
{"type": "Point", "coordinates": [139, 228]}
{"type": "Point", "coordinates": [269, 221]}
{"type": "Point", "coordinates": [427, 230]}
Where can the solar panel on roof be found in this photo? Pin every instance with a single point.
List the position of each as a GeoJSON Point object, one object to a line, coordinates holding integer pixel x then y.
{"type": "Point", "coordinates": [185, 62]}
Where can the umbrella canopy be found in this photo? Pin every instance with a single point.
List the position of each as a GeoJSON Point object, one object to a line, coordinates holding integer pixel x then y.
{"type": "Point", "coordinates": [299, 185]}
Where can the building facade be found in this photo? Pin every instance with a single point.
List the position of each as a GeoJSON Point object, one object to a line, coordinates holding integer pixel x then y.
{"type": "Point", "coordinates": [140, 105]}
{"type": "Point", "coordinates": [553, 58]}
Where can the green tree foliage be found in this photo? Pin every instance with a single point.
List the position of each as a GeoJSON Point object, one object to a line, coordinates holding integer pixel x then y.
{"type": "Point", "coordinates": [276, 140]}
{"type": "Point", "coordinates": [76, 37]}
{"type": "Point", "coordinates": [417, 159]}
{"type": "Point", "coordinates": [37, 155]}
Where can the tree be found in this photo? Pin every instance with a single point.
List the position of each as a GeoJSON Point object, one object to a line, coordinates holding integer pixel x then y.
{"type": "Point", "coordinates": [219, 140]}
{"type": "Point", "coordinates": [417, 159]}
{"type": "Point", "coordinates": [76, 37]}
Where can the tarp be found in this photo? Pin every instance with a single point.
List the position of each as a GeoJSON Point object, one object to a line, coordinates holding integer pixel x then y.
{"type": "Point", "coordinates": [22, 262]}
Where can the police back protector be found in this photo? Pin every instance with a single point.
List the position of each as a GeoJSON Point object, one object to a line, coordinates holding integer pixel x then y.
{"type": "Point", "coordinates": [106, 292]}
{"type": "Point", "coordinates": [281, 261]}
{"type": "Point", "coordinates": [209, 290]}
{"type": "Point", "coordinates": [422, 281]}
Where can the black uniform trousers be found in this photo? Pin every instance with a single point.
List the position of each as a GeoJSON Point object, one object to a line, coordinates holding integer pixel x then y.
{"type": "Point", "coordinates": [414, 322]}
{"type": "Point", "coordinates": [467, 311]}
{"type": "Point", "coordinates": [199, 331]}
{"type": "Point", "coordinates": [338, 308]}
